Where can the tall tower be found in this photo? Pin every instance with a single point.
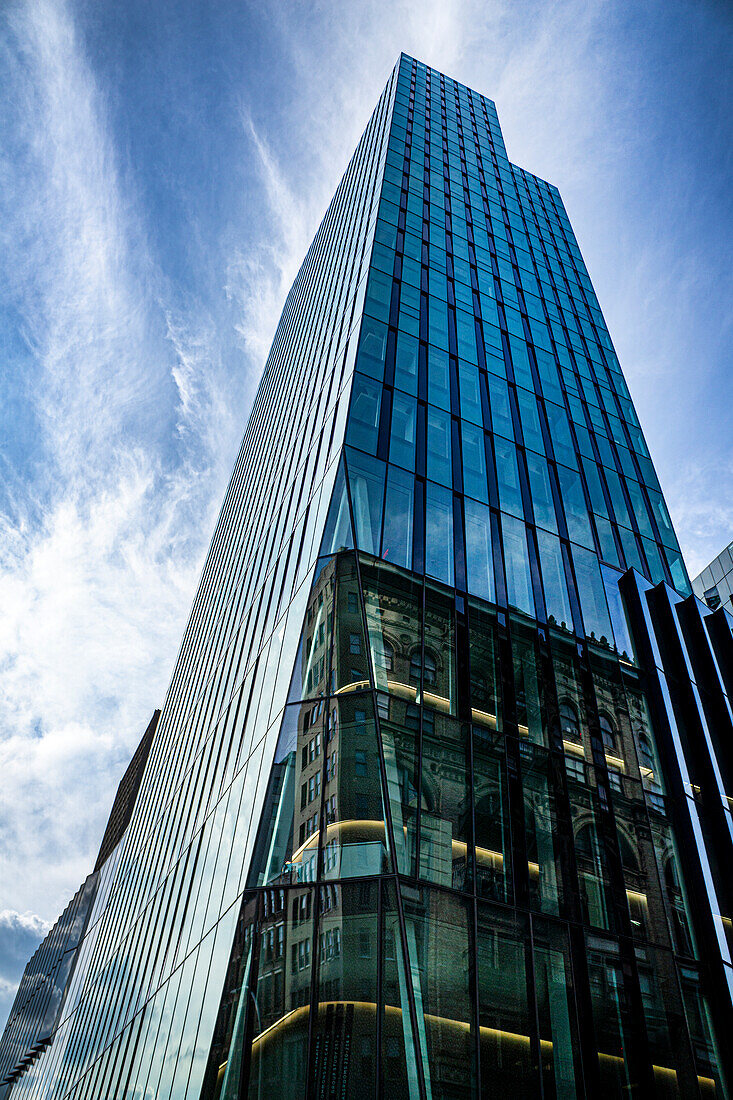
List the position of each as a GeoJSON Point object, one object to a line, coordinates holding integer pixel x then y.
{"type": "Point", "coordinates": [436, 806]}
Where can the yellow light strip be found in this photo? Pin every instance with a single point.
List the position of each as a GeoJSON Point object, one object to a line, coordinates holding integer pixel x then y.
{"type": "Point", "coordinates": [396, 687]}
{"type": "Point", "coordinates": [437, 701]}
{"type": "Point", "coordinates": [573, 747]}
{"type": "Point", "coordinates": [358, 685]}
{"type": "Point", "coordinates": [484, 718]}
{"type": "Point", "coordinates": [636, 895]}
{"type": "Point", "coordinates": [360, 825]}
{"type": "Point", "coordinates": [370, 1008]}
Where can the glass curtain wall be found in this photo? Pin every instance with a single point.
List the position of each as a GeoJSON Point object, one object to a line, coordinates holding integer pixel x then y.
{"type": "Point", "coordinates": [478, 877]}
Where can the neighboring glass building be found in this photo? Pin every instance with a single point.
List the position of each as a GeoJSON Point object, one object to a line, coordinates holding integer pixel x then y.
{"type": "Point", "coordinates": [437, 802]}
{"type": "Point", "coordinates": [714, 584]}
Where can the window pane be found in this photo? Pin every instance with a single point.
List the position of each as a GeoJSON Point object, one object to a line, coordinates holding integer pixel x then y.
{"type": "Point", "coordinates": [279, 1008]}
{"type": "Point", "coordinates": [576, 513]}
{"type": "Point", "coordinates": [363, 419]}
{"type": "Point", "coordinates": [553, 580]}
{"type": "Point", "coordinates": [366, 482]}
{"type": "Point", "coordinates": [592, 596]}
{"type": "Point", "coordinates": [479, 562]}
{"type": "Point", "coordinates": [402, 445]}
{"type": "Point", "coordinates": [446, 807]}
{"type": "Point", "coordinates": [406, 363]}
{"type": "Point", "coordinates": [510, 496]}
{"type": "Point", "coordinates": [441, 960]}
{"type": "Point", "coordinates": [539, 482]}
{"type": "Point", "coordinates": [439, 447]}
{"type": "Point", "coordinates": [540, 830]}
{"type": "Point", "coordinates": [354, 842]}
{"type": "Point", "coordinates": [516, 561]}
{"type": "Point", "coordinates": [398, 517]}
{"type": "Point", "coordinates": [474, 462]}
{"type": "Point", "coordinates": [346, 1023]}
{"type": "Point", "coordinates": [439, 533]}
{"type": "Point", "coordinates": [507, 1063]}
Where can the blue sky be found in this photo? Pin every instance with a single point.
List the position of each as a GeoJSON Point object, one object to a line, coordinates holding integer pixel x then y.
{"type": "Point", "coordinates": [162, 170]}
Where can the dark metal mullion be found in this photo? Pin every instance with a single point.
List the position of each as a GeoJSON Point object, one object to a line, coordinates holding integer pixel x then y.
{"type": "Point", "coordinates": [473, 980]}
{"type": "Point", "coordinates": [558, 777]}
{"type": "Point", "coordinates": [589, 507]}
{"type": "Point", "coordinates": [604, 415]}
{"type": "Point", "coordinates": [389, 826]}
{"type": "Point", "coordinates": [515, 787]}
{"type": "Point", "coordinates": [639, 1060]}
{"type": "Point", "coordinates": [685, 813]}
{"type": "Point", "coordinates": [621, 417]}
{"type": "Point", "coordinates": [379, 1076]}
{"type": "Point", "coordinates": [251, 996]}
{"type": "Point", "coordinates": [531, 988]}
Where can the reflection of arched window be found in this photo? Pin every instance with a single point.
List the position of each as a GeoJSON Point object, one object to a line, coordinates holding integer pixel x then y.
{"type": "Point", "coordinates": [388, 657]}
{"type": "Point", "coordinates": [585, 842]}
{"type": "Point", "coordinates": [415, 666]}
{"type": "Point", "coordinates": [670, 877]}
{"type": "Point", "coordinates": [607, 733]}
{"type": "Point", "coordinates": [408, 790]}
{"type": "Point", "coordinates": [569, 722]}
{"type": "Point", "coordinates": [490, 816]}
{"type": "Point", "coordinates": [646, 756]}
{"type": "Point", "coordinates": [429, 668]}
{"type": "Point", "coordinates": [628, 855]}
{"type": "Point", "coordinates": [678, 909]}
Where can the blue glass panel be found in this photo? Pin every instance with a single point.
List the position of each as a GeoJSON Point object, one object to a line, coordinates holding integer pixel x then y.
{"type": "Point", "coordinates": [553, 580]}
{"type": "Point", "coordinates": [398, 518]}
{"type": "Point", "coordinates": [510, 496]}
{"type": "Point", "coordinates": [438, 378]}
{"type": "Point", "coordinates": [516, 563]}
{"type": "Point", "coordinates": [366, 484]}
{"type": "Point", "coordinates": [439, 533]}
{"type": "Point", "coordinates": [474, 462]}
{"type": "Point", "coordinates": [363, 423]}
{"type": "Point", "coordinates": [402, 443]}
{"type": "Point", "coordinates": [439, 446]}
{"type": "Point", "coordinates": [592, 595]}
{"type": "Point", "coordinates": [406, 363]}
{"type": "Point", "coordinates": [479, 564]}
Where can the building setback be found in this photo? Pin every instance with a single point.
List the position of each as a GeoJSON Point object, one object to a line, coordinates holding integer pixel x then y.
{"type": "Point", "coordinates": [714, 584]}
{"type": "Point", "coordinates": [437, 802]}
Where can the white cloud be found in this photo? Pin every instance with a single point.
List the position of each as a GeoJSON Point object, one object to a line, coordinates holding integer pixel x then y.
{"type": "Point", "coordinates": [100, 548]}
{"type": "Point", "coordinates": [258, 281]}
{"type": "Point", "coordinates": [20, 935]}
{"type": "Point", "coordinates": [26, 922]}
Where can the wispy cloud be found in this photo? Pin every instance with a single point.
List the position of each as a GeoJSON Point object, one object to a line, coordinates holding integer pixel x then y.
{"type": "Point", "coordinates": [103, 527]}
{"type": "Point", "coordinates": [258, 280]}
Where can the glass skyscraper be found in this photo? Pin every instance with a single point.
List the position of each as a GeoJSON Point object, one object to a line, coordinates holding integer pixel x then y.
{"type": "Point", "coordinates": [437, 804]}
